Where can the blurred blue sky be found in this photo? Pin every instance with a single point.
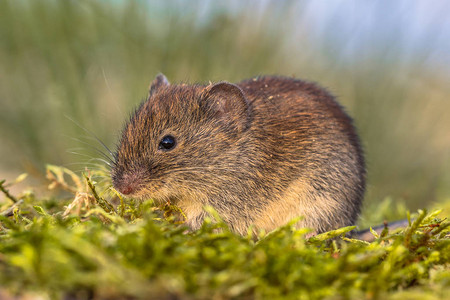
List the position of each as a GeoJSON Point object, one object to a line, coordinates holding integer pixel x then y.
{"type": "Point", "coordinates": [412, 29]}
{"type": "Point", "coordinates": [415, 26]}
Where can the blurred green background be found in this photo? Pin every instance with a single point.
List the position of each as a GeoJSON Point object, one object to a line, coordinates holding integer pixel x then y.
{"type": "Point", "coordinates": [92, 61]}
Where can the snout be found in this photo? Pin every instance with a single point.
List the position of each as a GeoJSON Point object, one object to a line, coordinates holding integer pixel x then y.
{"type": "Point", "coordinates": [126, 183]}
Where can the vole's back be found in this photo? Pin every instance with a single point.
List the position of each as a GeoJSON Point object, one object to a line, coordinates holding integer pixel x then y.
{"type": "Point", "coordinates": [312, 153]}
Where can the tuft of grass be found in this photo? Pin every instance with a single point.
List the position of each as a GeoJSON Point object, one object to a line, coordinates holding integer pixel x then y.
{"type": "Point", "coordinates": [87, 243]}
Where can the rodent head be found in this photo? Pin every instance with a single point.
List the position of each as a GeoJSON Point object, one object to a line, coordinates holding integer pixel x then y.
{"type": "Point", "coordinates": [179, 138]}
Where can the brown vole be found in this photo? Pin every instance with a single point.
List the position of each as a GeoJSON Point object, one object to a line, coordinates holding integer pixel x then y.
{"type": "Point", "coordinates": [261, 152]}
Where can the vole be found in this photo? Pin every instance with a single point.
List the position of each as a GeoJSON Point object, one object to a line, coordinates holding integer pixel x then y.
{"type": "Point", "coordinates": [260, 152]}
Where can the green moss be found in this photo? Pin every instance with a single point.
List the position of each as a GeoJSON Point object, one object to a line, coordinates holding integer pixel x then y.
{"type": "Point", "coordinates": [83, 248]}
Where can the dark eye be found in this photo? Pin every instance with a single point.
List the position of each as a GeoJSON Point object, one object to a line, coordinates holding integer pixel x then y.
{"type": "Point", "coordinates": [167, 143]}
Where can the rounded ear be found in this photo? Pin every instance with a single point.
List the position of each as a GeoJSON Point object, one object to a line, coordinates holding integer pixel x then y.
{"type": "Point", "coordinates": [228, 102]}
{"type": "Point", "coordinates": [158, 82]}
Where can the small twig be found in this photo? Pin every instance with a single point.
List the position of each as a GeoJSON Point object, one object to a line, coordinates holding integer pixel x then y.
{"type": "Point", "coordinates": [6, 192]}
{"type": "Point", "coordinates": [10, 211]}
{"type": "Point", "coordinates": [59, 181]}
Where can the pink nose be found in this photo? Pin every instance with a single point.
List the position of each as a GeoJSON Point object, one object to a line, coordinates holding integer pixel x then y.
{"type": "Point", "coordinates": [126, 190]}
{"type": "Point", "coordinates": [127, 184]}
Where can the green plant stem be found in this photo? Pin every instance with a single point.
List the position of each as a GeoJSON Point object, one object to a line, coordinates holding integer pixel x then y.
{"type": "Point", "coordinates": [102, 202]}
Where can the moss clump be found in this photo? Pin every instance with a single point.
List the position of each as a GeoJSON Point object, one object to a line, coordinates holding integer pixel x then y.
{"type": "Point", "coordinates": [96, 245]}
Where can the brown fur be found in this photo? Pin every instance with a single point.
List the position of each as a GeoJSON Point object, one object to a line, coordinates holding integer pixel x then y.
{"type": "Point", "coordinates": [260, 152]}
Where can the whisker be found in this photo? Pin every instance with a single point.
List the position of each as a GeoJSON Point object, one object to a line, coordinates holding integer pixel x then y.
{"type": "Point", "coordinates": [92, 135]}
{"type": "Point", "coordinates": [95, 149]}
{"type": "Point", "coordinates": [84, 164]}
{"type": "Point", "coordinates": [92, 146]}
{"type": "Point", "coordinates": [103, 144]}
{"type": "Point", "coordinates": [107, 162]}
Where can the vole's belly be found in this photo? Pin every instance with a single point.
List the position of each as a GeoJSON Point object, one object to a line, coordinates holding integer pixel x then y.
{"type": "Point", "coordinates": [301, 200]}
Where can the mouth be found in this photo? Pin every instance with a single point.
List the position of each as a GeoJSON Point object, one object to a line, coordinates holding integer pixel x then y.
{"type": "Point", "coordinates": [143, 192]}
{"type": "Point", "coordinates": [137, 184]}
{"type": "Point", "coordinates": [134, 184]}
